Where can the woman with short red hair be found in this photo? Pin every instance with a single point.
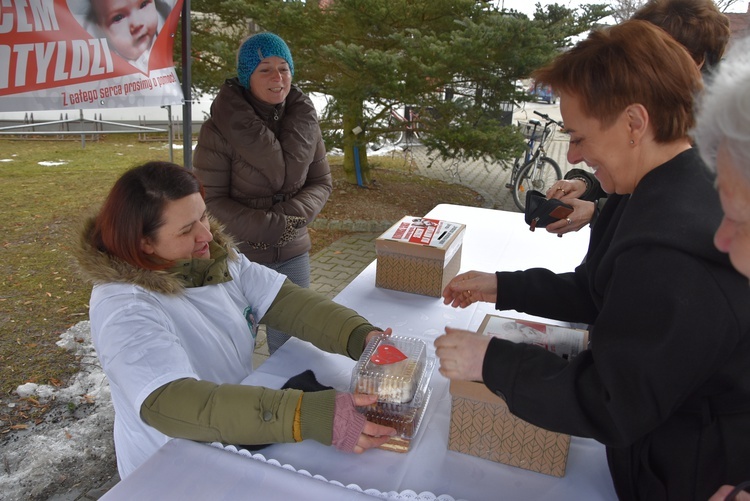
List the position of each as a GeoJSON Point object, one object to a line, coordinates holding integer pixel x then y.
{"type": "Point", "coordinates": [665, 383]}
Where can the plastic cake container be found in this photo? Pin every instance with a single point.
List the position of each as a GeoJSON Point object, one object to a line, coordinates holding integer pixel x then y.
{"type": "Point", "coordinates": [400, 378]}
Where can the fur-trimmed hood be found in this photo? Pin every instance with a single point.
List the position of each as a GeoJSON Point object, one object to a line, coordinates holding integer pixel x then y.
{"type": "Point", "coordinates": [99, 267]}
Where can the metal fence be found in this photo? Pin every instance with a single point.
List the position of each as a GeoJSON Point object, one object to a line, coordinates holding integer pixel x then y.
{"type": "Point", "coordinates": [92, 129]}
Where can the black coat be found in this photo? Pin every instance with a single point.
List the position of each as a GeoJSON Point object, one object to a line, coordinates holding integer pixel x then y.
{"type": "Point", "coordinates": [665, 384]}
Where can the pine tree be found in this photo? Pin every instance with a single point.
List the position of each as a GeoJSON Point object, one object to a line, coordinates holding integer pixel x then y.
{"type": "Point", "coordinates": [373, 57]}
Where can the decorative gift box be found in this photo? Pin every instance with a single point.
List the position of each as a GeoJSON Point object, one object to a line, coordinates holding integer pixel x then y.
{"type": "Point", "coordinates": [419, 255]}
{"type": "Point", "coordinates": [483, 426]}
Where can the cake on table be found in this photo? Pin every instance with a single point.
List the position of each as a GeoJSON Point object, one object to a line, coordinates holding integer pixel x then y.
{"type": "Point", "coordinates": [397, 370]}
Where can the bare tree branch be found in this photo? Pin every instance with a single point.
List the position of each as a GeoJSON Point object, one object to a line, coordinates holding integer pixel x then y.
{"type": "Point", "coordinates": [724, 5]}
{"type": "Point", "coordinates": [623, 10]}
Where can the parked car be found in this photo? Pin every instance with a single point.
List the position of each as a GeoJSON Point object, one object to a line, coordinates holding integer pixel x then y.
{"type": "Point", "coordinates": [543, 93]}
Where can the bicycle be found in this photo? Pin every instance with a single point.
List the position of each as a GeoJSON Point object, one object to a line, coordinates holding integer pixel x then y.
{"type": "Point", "coordinates": [534, 170]}
{"type": "Point", "coordinates": [397, 128]}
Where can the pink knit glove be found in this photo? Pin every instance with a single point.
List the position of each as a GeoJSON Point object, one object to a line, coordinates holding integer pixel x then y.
{"type": "Point", "coordinates": [348, 424]}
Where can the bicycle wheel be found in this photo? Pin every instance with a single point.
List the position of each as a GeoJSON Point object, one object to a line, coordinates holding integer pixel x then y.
{"type": "Point", "coordinates": [391, 138]}
{"type": "Point", "coordinates": [538, 175]}
{"type": "Point", "coordinates": [391, 135]}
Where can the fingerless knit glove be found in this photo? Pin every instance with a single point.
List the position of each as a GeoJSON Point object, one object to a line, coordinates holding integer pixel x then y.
{"type": "Point", "coordinates": [348, 424]}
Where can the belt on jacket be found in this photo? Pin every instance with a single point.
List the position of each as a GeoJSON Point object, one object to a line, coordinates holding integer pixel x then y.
{"type": "Point", "coordinates": [265, 202]}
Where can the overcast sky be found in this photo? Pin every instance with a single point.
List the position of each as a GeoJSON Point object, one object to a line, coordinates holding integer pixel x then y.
{"type": "Point", "coordinates": [528, 6]}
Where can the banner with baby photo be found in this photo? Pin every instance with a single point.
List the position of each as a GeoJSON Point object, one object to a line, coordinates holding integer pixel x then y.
{"type": "Point", "coordinates": [84, 54]}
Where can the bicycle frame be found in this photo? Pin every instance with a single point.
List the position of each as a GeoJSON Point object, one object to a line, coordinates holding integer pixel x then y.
{"type": "Point", "coordinates": [406, 130]}
{"type": "Point", "coordinates": [534, 170]}
{"type": "Point", "coordinates": [535, 145]}
{"type": "Point", "coordinates": [530, 145]}
{"type": "Point", "coordinates": [410, 119]}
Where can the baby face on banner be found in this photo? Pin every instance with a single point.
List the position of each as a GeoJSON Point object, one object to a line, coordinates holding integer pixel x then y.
{"type": "Point", "coordinates": [129, 25]}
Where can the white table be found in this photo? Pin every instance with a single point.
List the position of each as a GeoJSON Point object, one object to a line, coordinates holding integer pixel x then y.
{"type": "Point", "coordinates": [494, 240]}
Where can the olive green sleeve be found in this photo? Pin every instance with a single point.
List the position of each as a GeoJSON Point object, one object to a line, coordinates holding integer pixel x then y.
{"type": "Point", "coordinates": [237, 414]}
{"type": "Point", "coordinates": [313, 317]}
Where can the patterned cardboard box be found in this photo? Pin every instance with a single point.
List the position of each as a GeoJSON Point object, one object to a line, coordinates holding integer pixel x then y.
{"type": "Point", "coordinates": [482, 426]}
{"type": "Point", "coordinates": [419, 255]}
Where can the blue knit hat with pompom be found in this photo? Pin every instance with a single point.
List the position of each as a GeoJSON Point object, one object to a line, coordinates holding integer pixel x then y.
{"type": "Point", "coordinates": [255, 49]}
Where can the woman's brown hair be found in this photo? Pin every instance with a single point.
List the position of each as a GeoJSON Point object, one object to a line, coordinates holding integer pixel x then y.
{"type": "Point", "coordinates": [134, 207]}
{"type": "Point", "coordinates": [698, 25]}
{"type": "Point", "coordinates": [631, 63]}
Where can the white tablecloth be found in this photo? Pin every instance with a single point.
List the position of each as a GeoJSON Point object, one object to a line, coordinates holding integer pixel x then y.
{"type": "Point", "coordinates": [495, 240]}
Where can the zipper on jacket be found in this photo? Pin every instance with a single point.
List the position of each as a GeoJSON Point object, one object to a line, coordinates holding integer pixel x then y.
{"type": "Point", "coordinates": [275, 114]}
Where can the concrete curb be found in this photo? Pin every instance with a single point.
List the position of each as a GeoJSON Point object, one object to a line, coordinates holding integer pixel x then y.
{"type": "Point", "coordinates": [352, 226]}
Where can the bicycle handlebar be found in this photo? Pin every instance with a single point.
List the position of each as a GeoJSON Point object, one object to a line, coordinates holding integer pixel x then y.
{"type": "Point", "coordinates": [548, 119]}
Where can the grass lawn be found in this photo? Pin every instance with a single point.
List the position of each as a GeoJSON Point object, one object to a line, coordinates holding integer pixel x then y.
{"type": "Point", "coordinates": [50, 187]}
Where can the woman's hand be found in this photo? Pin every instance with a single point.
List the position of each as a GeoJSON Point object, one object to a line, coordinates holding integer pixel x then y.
{"type": "Point", "coordinates": [725, 490]}
{"type": "Point", "coordinates": [372, 334]}
{"type": "Point", "coordinates": [470, 287]}
{"type": "Point", "coordinates": [372, 435]}
{"type": "Point", "coordinates": [567, 188]}
{"type": "Point", "coordinates": [582, 213]}
{"type": "Point", "coordinates": [461, 354]}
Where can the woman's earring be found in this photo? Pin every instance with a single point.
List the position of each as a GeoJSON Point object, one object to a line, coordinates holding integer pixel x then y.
{"type": "Point", "coordinates": [632, 142]}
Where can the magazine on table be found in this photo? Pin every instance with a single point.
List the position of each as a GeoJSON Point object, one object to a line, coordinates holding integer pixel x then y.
{"type": "Point", "coordinates": [567, 342]}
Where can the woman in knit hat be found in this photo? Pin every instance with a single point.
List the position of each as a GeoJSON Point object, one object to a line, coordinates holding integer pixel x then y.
{"type": "Point", "coordinates": [261, 157]}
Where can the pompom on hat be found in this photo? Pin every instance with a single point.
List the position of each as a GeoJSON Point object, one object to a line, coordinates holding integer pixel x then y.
{"type": "Point", "coordinates": [256, 48]}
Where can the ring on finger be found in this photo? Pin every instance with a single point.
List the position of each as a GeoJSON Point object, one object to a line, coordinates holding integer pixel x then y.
{"type": "Point", "coordinates": [570, 221]}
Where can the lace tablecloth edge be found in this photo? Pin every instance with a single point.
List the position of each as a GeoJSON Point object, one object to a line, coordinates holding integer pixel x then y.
{"type": "Point", "coordinates": [407, 495]}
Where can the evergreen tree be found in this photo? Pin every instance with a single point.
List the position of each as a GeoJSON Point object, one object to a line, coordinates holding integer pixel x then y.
{"type": "Point", "coordinates": [373, 57]}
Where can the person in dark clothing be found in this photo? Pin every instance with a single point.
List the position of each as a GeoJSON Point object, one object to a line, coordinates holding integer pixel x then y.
{"type": "Point", "coordinates": [665, 384]}
{"type": "Point", "coordinates": [723, 137]}
{"type": "Point", "coordinates": [700, 27]}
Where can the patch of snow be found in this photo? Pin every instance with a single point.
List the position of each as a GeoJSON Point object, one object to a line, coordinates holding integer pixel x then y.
{"type": "Point", "coordinates": [74, 443]}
